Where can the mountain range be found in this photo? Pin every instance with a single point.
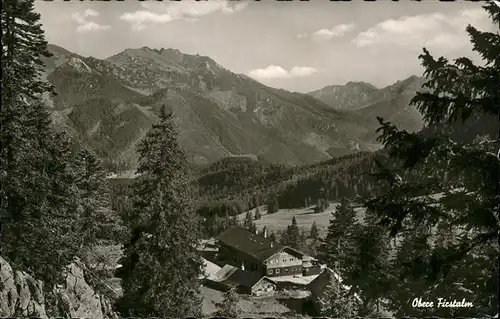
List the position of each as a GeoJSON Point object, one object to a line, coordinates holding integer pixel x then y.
{"type": "Point", "coordinates": [110, 104]}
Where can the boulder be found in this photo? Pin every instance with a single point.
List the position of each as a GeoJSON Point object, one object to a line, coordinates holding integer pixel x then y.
{"type": "Point", "coordinates": [23, 295]}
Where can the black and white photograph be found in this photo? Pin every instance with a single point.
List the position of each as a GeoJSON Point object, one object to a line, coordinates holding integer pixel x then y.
{"type": "Point", "coordinates": [250, 159]}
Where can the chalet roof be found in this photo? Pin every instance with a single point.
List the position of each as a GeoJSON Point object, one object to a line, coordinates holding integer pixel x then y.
{"type": "Point", "coordinates": [321, 281]}
{"type": "Point", "coordinates": [211, 269]}
{"type": "Point", "coordinates": [250, 243]}
{"type": "Point", "coordinates": [265, 279]}
{"type": "Point", "coordinates": [230, 275]}
{"type": "Point", "coordinates": [207, 245]}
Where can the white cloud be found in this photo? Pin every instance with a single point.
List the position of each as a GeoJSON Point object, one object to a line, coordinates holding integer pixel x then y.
{"type": "Point", "coordinates": [326, 34]}
{"type": "Point", "coordinates": [90, 13]}
{"type": "Point", "coordinates": [337, 31]}
{"type": "Point", "coordinates": [159, 12]}
{"type": "Point", "coordinates": [85, 25]}
{"type": "Point", "coordinates": [277, 72]}
{"type": "Point", "coordinates": [302, 71]}
{"type": "Point", "coordinates": [436, 30]}
{"type": "Point", "coordinates": [91, 26]}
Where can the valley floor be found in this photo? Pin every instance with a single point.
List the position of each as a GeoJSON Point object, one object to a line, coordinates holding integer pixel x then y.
{"type": "Point", "coordinates": [305, 217]}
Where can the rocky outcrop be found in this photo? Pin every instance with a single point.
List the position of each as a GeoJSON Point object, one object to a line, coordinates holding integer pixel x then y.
{"type": "Point", "coordinates": [23, 295]}
{"type": "Point", "coordinates": [20, 293]}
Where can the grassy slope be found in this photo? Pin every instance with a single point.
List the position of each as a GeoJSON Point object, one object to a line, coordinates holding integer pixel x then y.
{"type": "Point", "coordinates": [305, 218]}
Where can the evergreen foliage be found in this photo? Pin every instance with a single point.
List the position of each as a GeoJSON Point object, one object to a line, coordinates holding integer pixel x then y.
{"type": "Point", "coordinates": [467, 170]}
{"type": "Point", "coordinates": [253, 228]}
{"type": "Point", "coordinates": [370, 271]}
{"type": "Point", "coordinates": [272, 237]}
{"type": "Point", "coordinates": [272, 204]}
{"type": "Point", "coordinates": [314, 233]}
{"type": "Point", "coordinates": [228, 307]}
{"type": "Point", "coordinates": [161, 265]}
{"type": "Point", "coordinates": [247, 223]}
{"type": "Point", "coordinates": [291, 237]}
{"type": "Point", "coordinates": [321, 206]}
{"type": "Point", "coordinates": [257, 214]}
{"type": "Point", "coordinates": [40, 198]}
{"type": "Point", "coordinates": [336, 301]}
{"type": "Point", "coordinates": [99, 222]}
{"type": "Point", "coordinates": [339, 249]}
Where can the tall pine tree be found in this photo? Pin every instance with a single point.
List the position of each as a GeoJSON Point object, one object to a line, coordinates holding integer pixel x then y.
{"type": "Point", "coordinates": [228, 306]}
{"type": "Point", "coordinates": [291, 236]}
{"type": "Point", "coordinates": [257, 213]}
{"type": "Point", "coordinates": [336, 301]}
{"type": "Point", "coordinates": [99, 222]}
{"type": "Point", "coordinates": [339, 247]}
{"type": "Point", "coordinates": [314, 233]}
{"type": "Point", "coordinates": [371, 268]}
{"type": "Point", "coordinates": [40, 204]}
{"type": "Point", "coordinates": [161, 263]}
{"type": "Point", "coordinates": [272, 204]}
{"type": "Point", "coordinates": [462, 97]}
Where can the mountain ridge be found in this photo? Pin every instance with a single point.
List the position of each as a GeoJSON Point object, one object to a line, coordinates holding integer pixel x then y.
{"type": "Point", "coordinates": [110, 104]}
{"type": "Point", "coordinates": [367, 101]}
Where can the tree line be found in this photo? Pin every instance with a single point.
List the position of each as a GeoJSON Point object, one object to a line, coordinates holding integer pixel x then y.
{"type": "Point", "coordinates": [56, 203]}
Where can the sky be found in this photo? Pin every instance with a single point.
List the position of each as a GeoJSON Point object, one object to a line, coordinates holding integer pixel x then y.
{"type": "Point", "coordinates": [298, 46]}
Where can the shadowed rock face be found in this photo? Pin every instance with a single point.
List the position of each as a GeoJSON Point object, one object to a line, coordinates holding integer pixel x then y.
{"type": "Point", "coordinates": [20, 294]}
{"type": "Point", "coordinates": [23, 295]}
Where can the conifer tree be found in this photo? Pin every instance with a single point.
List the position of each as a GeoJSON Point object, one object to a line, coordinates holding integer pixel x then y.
{"type": "Point", "coordinates": [339, 248]}
{"type": "Point", "coordinates": [39, 197]}
{"type": "Point", "coordinates": [407, 276]}
{"type": "Point", "coordinates": [321, 205]}
{"type": "Point", "coordinates": [272, 237]}
{"type": "Point", "coordinates": [228, 307]}
{"type": "Point", "coordinates": [247, 223]}
{"type": "Point", "coordinates": [272, 204]}
{"type": "Point", "coordinates": [462, 282]}
{"type": "Point", "coordinates": [161, 264]}
{"type": "Point", "coordinates": [257, 213]}
{"type": "Point", "coordinates": [253, 228]}
{"type": "Point", "coordinates": [336, 301]}
{"type": "Point", "coordinates": [314, 231]}
{"type": "Point", "coordinates": [370, 271]}
{"type": "Point", "coordinates": [291, 237]}
{"type": "Point", "coordinates": [99, 222]}
{"type": "Point", "coordinates": [235, 221]}
{"type": "Point", "coordinates": [461, 97]}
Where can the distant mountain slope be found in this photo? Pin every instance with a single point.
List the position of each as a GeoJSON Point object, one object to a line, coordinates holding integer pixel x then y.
{"type": "Point", "coordinates": [353, 95]}
{"type": "Point", "coordinates": [110, 104]}
{"type": "Point", "coordinates": [78, 80]}
{"type": "Point", "coordinates": [367, 102]}
{"type": "Point", "coordinates": [111, 128]}
{"type": "Point", "coordinates": [394, 106]}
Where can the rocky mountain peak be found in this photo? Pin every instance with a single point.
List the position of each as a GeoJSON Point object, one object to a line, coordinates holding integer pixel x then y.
{"type": "Point", "coordinates": [348, 96]}
{"type": "Point", "coordinates": [78, 65]}
{"type": "Point", "coordinates": [361, 85]}
{"type": "Point", "coordinates": [407, 86]}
